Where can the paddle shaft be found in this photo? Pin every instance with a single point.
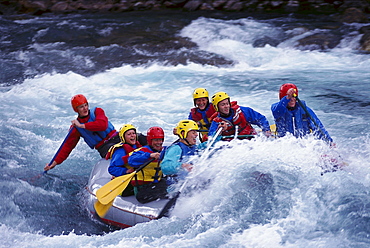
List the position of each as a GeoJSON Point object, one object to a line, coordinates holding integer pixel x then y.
{"type": "Point", "coordinates": [311, 118]}
{"type": "Point", "coordinates": [173, 200]}
{"type": "Point", "coordinates": [238, 136]}
{"type": "Point", "coordinates": [110, 190]}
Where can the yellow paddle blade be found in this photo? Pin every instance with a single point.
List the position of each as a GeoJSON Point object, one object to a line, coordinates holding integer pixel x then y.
{"type": "Point", "coordinates": [101, 209]}
{"type": "Point", "coordinates": [109, 191]}
{"type": "Point", "coordinates": [273, 128]}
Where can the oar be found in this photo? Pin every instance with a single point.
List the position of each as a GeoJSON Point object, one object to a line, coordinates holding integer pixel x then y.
{"type": "Point", "coordinates": [312, 119]}
{"type": "Point", "coordinates": [173, 200]}
{"type": "Point", "coordinates": [102, 209]}
{"type": "Point", "coordinates": [211, 143]}
{"type": "Point", "coordinates": [60, 147]}
{"type": "Point", "coordinates": [238, 136]}
{"type": "Point", "coordinates": [109, 191]}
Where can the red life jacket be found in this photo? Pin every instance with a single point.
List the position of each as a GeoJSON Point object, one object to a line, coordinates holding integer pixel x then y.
{"type": "Point", "coordinates": [197, 116]}
{"type": "Point", "coordinates": [238, 119]}
{"type": "Point", "coordinates": [126, 147]}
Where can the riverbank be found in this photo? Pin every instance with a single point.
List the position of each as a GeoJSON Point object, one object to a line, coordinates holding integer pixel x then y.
{"type": "Point", "coordinates": [336, 13]}
{"type": "Point", "coordinates": [38, 7]}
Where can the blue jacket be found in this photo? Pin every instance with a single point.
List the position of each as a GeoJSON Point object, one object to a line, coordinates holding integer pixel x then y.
{"type": "Point", "coordinates": [116, 166]}
{"type": "Point", "coordinates": [252, 116]}
{"type": "Point", "coordinates": [176, 154]}
{"type": "Point", "coordinates": [296, 121]}
{"type": "Point", "coordinates": [94, 138]}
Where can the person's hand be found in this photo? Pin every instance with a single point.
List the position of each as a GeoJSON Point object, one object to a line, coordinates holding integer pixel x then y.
{"type": "Point", "coordinates": [76, 123]}
{"type": "Point", "coordinates": [187, 167]}
{"type": "Point", "coordinates": [291, 93]}
{"type": "Point", "coordinates": [224, 125]}
{"type": "Point", "coordinates": [130, 171]}
{"type": "Point", "coordinates": [50, 166]}
{"type": "Point", "coordinates": [155, 155]}
{"type": "Point", "coordinates": [267, 133]}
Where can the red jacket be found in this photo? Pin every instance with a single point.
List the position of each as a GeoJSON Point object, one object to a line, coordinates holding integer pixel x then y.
{"type": "Point", "coordinates": [100, 124]}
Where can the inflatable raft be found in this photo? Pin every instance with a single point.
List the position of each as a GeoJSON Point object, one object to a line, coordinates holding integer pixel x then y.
{"type": "Point", "coordinates": [125, 211]}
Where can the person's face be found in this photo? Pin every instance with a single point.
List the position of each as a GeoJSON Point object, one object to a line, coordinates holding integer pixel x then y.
{"type": "Point", "coordinates": [83, 110]}
{"type": "Point", "coordinates": [201, 102]}
{"type": "Point", "coordinates": [157, 144]}
{"type": "Point", "coordinates": [224, 107]}
{"type": "Point", "coordinates": [192, 137]}
{"type": "Point", "coordinates": [130, 137]}
{"type": "Point", "coordinates": [292, 102]}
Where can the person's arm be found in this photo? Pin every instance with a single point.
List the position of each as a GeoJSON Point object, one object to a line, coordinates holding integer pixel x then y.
{"type": "Point", "coordinates": [254, 117]}
{"type": "Point", "coordinates": [279, 109]}
{"type": "Point", "coordinates": [171, 161]}
{"type": "Point", "coordinates": [213, 128]}
{"type": "Point", "coordinates": [65, 150]}
{"type": "Point", "coordinates": [68, 146]}
{"type": "Point", "coordinates": [100, 123]}
{"type": "Point", "coordinates": [322, 135]}
{"type": "Point", "coordinates": [116, 166]}
{"type": "Point", "coordinates": [138, 158]}
{"type": "Point", "coordinates": [190, 117]}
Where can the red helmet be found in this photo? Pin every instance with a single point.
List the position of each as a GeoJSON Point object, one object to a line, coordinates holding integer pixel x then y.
{"type": "Point", "coordinates": [154, 133]}
{"type": "Point", "coordinates": [285, 87]}
{"type": "Point", "coordinates": [78, 100]}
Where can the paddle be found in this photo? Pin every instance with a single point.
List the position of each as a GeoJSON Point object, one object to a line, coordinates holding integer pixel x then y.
{"type": "Point", "coordinates": [238, 136]}
{"type": "Point", "coordinates": [60, 147]}
{"type": "Point", "coordinates": [173, 200]}
{"type": "Point", "coordinates": [102, 209]}
{"type": "Point", "coordinates": [311, 118]}
{"type": "Point", "coordinates": [109, 191]}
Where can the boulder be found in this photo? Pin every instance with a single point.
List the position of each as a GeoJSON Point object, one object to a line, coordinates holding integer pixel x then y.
{"type": "Point", "coordinates": [321, 41]}
{"type": "Point", "coordinates": [352, 15]}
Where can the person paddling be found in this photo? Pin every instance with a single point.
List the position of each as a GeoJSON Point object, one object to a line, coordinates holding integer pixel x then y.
{"type": "Point", "coordinates": [231, 118]}
{"type": "Point", "coordinates": [148, 183]}
{"type": "Point", "coordinates": [202, 111]}
{"type": "Point", "coordinates": [294, 118]}
{"type": "Point", "coordinates": [92, 125]}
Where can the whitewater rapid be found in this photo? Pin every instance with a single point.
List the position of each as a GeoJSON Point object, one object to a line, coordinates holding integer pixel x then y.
{"type": "Point", "coordinates": [293, 206]}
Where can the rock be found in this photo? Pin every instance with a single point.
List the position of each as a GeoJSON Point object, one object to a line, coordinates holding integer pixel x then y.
{"type": "Point", "coordinates": [320, 41]}
{"type": "Point", "coordinates": [292, 6]}
{"type": "Point", "coordinates": [365, 42]}
{"type": "Point", "coordinates": [192, 5]}
{"type": "Point", "coordinates": [233, 5]}
{"type": "Point", "coordinates": [218, 4]}
{"type": "Point", "coordinates": [59, 7]}
{"type": "Point", "coordinates": [365, 39]}
{"type": "Point", "coordinates": [352, 15]}
{"type": "Point", "coordinates": [265, 41]}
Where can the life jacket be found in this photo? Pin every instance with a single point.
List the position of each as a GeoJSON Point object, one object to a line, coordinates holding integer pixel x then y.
{"type": "Point", "coordinates": [97, 138]}
{"type": "Point", "coordinates": [204, 118]}
{"type": "Point", "coordinates": [128, 149]}
{"type": "Point", "coordinates": [150, 173]}
{"type": "Point", "coordinates": [185, 150]}
{"type": "Point", "coordinates": [238, 119]}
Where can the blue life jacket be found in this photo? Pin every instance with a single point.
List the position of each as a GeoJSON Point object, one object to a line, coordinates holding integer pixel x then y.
{"type": "Point", "coordinates": [93, 138]}
{"type": "Point", "coordinates": [185, 150]}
